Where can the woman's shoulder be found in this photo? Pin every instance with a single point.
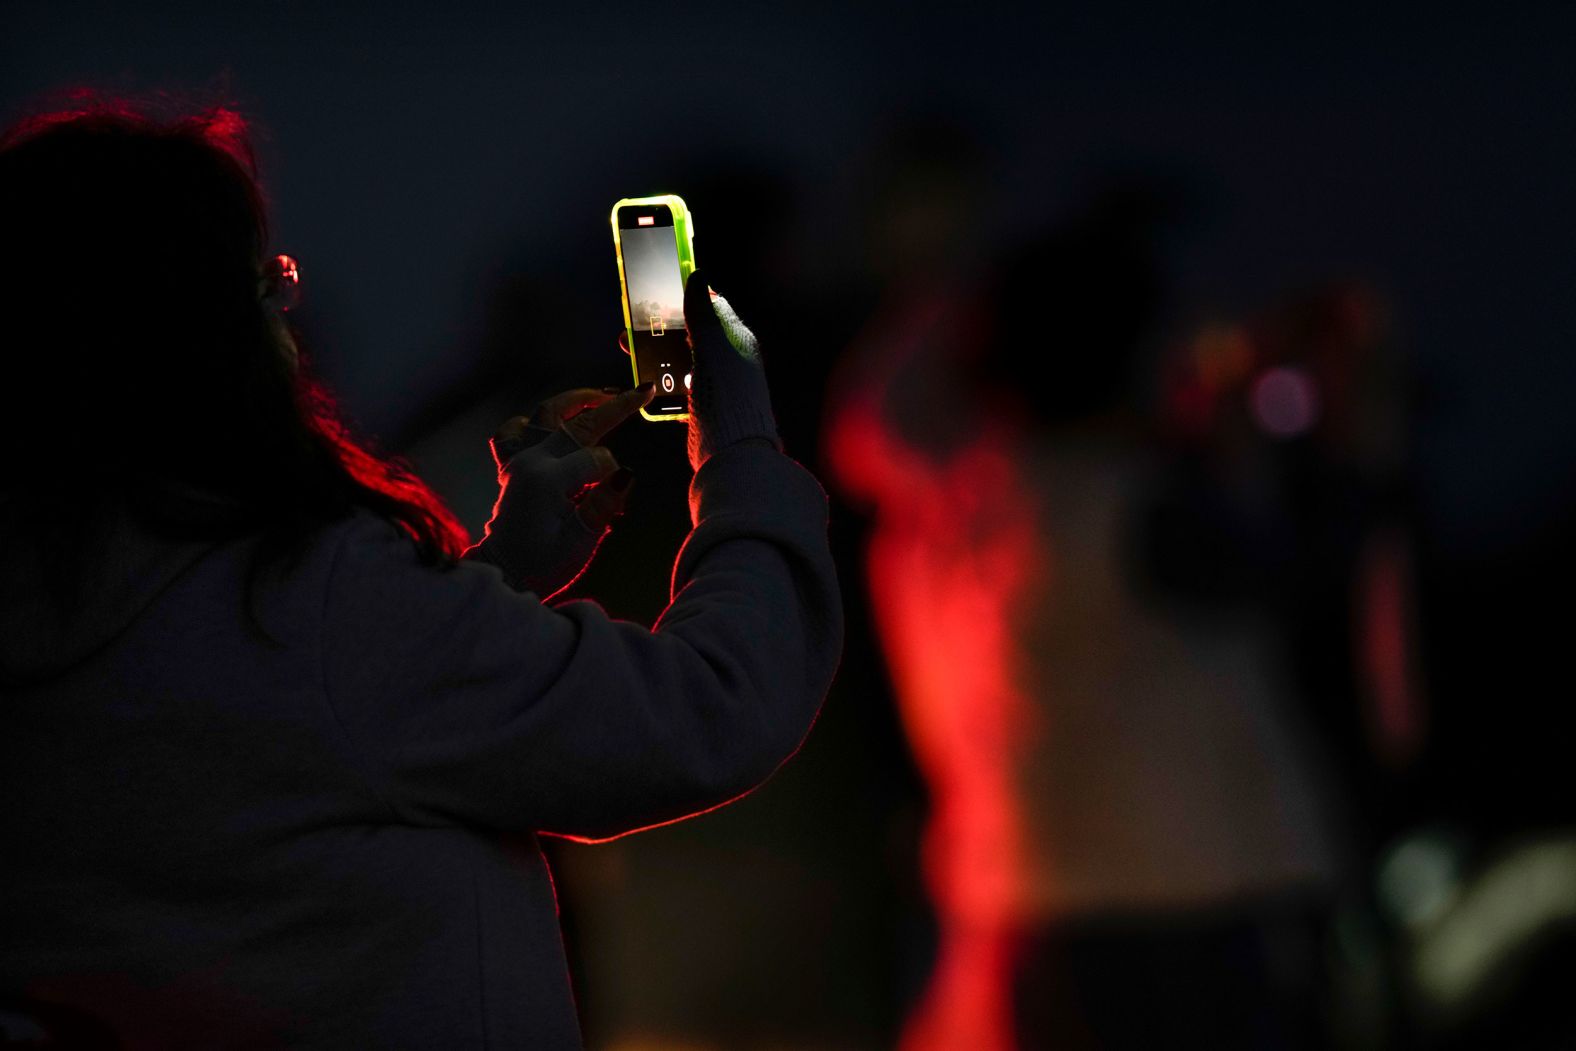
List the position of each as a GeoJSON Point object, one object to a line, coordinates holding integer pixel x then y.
{"type": "Point", "coordinates": [366, 544]}
{"type": "Point", "coordinates": [369, 561]}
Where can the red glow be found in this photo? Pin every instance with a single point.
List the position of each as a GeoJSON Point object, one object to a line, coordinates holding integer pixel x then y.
{"type": "Point", "coordinates": [1386, 658]}
{"type": "Point", "coordinates": [423, 512]}
{"type": "Point", "coordinates": [220, 126]}
{"type": "Point", "coordinates": [952, 558]}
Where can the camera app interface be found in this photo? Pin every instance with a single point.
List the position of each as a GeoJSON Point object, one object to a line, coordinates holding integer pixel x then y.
{"type": "Point", "coordinates": [656, 306]}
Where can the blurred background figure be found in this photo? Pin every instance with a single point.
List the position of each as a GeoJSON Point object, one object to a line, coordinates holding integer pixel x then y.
{"type": "Point", "coordinates": [1289, 480]}
{"type": "Point", "coordinates": [1286, 479]}
{"type": "Point", "coordinates": [1126, 808]}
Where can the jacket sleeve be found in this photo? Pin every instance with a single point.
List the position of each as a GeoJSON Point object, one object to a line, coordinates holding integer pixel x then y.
{"type": "Point", "coordinates": [470, 703]}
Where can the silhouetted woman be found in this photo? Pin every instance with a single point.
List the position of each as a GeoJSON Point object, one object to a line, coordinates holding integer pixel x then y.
{"type": "Point", "coordinates": [273, 745]}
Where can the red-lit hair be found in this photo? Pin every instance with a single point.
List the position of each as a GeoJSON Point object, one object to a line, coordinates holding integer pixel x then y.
{"type": "Point", "coordinates": [144, 367]}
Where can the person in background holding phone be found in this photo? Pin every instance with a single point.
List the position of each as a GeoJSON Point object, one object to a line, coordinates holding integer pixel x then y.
{"type": "Point", "coordinates": [275, 744]}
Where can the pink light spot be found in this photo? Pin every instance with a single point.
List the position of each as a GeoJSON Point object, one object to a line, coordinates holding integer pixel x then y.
{"type": "Point", "coordinates": [1285, 401]}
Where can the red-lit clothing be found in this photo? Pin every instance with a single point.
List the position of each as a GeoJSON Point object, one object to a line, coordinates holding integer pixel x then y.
{"type": "Point", "coordinates": [1167, 766]}
{"type": "Point", "coordinates": [326, 839]}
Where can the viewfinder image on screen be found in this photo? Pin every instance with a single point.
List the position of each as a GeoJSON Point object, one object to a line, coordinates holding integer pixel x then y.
{"type": "Point", "coordinates": [656, 291]}
{"type": "Point", "coordinates": [656, 307]}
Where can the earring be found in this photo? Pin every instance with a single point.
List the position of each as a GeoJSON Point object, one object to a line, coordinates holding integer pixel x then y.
{"type": "Point", "coordinates": [282, 283]}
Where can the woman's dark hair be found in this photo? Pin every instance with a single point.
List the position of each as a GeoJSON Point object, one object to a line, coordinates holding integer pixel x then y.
{"type": "Point", "coordinates": [143, 367]}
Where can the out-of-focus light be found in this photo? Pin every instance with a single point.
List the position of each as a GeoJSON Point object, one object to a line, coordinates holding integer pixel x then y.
{"type": "Point", "coordinates": [1419, 878]}
{"type": "Point", "coordinates": [1221, 355]}
{"type": "Point", "coordinates": [1521, 897]}
{"type": "Point", "coordinates": [1285, 401]}
{"type": "Point", "coordinates": [956, 555]}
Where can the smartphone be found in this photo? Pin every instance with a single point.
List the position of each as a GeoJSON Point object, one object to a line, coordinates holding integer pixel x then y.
{"type": "Point", "coordinates": [654, 240]}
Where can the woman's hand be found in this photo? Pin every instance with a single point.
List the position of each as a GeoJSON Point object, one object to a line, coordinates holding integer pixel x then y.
{"type": "Point", "coordinates": [559, 490]}
{"type": "Point", "coordinates": [728, 400]}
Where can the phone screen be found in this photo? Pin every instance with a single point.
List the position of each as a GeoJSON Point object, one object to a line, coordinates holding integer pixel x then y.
{"type": "Point", "coordinates": [656, 304]}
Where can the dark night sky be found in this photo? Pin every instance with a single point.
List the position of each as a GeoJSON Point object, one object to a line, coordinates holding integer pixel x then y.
{"type": "Point", "coordinates": [414, 152]}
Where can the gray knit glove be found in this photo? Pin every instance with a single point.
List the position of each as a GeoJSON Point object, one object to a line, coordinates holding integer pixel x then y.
{"type": "Point", "coordinates": [558, 490]}
{"type": "Point", "coordinates": [728, 400]}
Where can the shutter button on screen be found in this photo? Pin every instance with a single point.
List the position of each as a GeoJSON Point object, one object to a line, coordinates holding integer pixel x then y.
{"type": "Point", "coordinates": [667, 382]}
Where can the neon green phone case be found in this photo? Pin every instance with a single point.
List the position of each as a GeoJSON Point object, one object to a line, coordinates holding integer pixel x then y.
{"type": "Point", "coordinates": [684, 235]}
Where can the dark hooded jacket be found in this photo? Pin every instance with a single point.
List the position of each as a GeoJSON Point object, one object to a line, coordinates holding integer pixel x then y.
{"type": "Point", "coordinates": [326, 839]}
